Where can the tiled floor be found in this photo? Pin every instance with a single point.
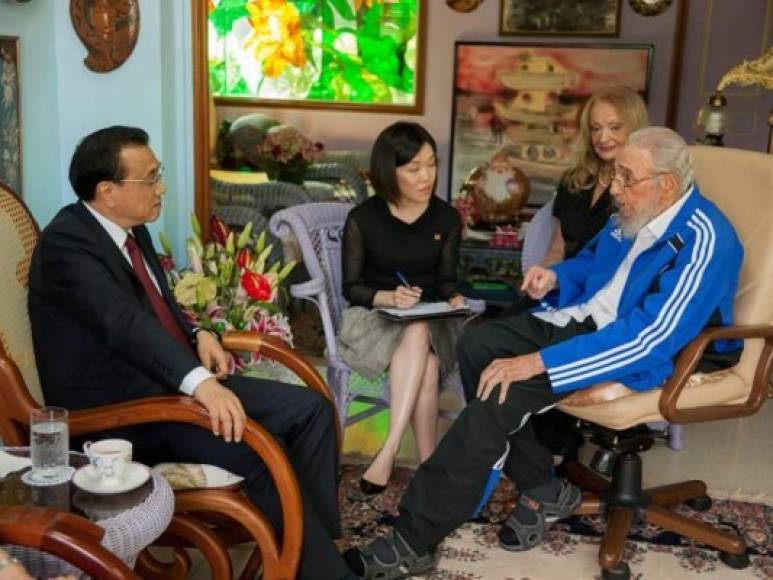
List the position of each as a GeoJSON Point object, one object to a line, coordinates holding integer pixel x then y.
{"type": "Point", "coordinates": [733, 457]}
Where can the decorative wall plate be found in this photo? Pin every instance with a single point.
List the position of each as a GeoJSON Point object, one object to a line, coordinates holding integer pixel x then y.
{"type": "Point", "coordinates": [464, 5]}
{"type": "Point", "coordinates": [649, 7]}
{"type": "Point", "coordinates": [500, 189]}
{"type": "Point", "coordinates": [108, 29]}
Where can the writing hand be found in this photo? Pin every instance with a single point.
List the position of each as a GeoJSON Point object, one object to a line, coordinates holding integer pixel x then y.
{"type": "Point", "coordinates": [407, 296]}
{"type": "Point", "coordinates": [538, 281]}
{"type": "Point", "coordinates": [226, 414]}
{"type": "Point", "coordinates": [504, 371]}
{"type": "Point", "coordinates": [211, 354]}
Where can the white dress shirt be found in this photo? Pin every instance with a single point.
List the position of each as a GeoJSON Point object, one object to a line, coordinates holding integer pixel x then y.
{"type": "Point", "coordinates": [119, 235]}
{"type": "Point", "coordinates": [602, 307]}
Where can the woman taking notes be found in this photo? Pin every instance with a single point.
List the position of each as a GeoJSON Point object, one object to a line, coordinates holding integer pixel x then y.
{"type": "Point", "coordinates": [401, 246]}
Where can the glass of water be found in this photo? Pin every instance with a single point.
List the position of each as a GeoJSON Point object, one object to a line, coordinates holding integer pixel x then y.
{"type": "Point", "coordinates": [49, 446]}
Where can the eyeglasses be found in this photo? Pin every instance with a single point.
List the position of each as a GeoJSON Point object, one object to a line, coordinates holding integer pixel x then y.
{"type": "Point", "coordinates": [629, 183]}
{"type": "Point", "coordinates": [154, 180]}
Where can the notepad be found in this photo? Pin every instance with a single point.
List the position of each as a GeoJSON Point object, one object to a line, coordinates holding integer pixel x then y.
{"type": "Point", "coordinates": [424, 310]}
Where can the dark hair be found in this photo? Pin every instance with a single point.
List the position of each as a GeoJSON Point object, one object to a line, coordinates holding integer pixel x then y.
{"type": "Point", "coordinates": [97, 158]}
{"type": "Point", "coordinates": [394, 147]}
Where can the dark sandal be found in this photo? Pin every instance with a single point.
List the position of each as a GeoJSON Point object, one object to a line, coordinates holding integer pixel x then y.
{"type": "Point", "coordinates": [569, 499]}
{"type": "Point", "coordinates": [515, 536]}
{"type": "Point", "coordinates": [403, 561]}
{"type": "Point", "coordinates": [529, 535]}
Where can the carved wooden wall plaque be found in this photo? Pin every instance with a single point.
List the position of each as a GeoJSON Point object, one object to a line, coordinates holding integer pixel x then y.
{"type": "Point", "coordinates": [108, 29]}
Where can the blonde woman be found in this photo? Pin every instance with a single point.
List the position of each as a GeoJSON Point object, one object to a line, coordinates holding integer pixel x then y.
{"type": "Point", "coordinates": [583, 202]}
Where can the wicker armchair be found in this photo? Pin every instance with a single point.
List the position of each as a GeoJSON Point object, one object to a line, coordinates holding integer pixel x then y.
{"type": "Point", "coordinates": [337, 176]}
{"type": "Point", "coordinates": [66, 536]}
{"type": "Point", "coordinates": [204, 518]}
{"type": "Point", "coordinates": [318, 228]}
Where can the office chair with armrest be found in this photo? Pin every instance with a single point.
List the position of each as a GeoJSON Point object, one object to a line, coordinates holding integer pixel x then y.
{"type": "Point", "coordinates": [318, 228]}
{"type": "Point", "coordinates": [208, 519]}
{"type": "Point", "coordinates": [741, 184]}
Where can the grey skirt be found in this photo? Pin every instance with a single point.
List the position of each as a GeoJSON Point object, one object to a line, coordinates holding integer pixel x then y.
{"type": "Point", "coordinates": [367, 341]}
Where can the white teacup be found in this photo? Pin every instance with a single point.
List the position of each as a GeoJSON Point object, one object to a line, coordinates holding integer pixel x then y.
{"type": "Point", "coordinates": [109, 458]}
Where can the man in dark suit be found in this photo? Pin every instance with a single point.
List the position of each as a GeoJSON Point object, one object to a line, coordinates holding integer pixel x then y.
{"type": "Point", "coordinates": [106, 329]}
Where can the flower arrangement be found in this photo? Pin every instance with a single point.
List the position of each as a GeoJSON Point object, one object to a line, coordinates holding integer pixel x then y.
{"type": "Point", "coordinates": [285, 153]}
{"type": "Point", "coordinates": [229, 285]}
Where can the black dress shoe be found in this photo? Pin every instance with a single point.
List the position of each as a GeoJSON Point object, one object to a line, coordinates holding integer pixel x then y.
{"type": "Point", "coordinates": [370, 488]}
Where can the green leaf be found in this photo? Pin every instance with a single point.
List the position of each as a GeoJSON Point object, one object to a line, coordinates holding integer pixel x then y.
{"type": "Point", "coordinates": [240, 88]}
{"type": "Point", "coordinates": [304, 6]}
{"type": "Point", "coordinates": [269, 307]}
{"type": "Point", "coordinates": [328, 18]}
{"type": "Point", "coordinates": [217, 77]}
{"type": "Point", "coordinates": [360, 90]}
{"type": "Point", "coordinates": [343, 8]}
{"type": "Point", "coordinates": [226, 13]}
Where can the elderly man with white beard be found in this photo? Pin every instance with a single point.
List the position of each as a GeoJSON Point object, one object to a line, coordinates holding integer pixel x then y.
{"type": "Point", "coordinates": [664, 267]}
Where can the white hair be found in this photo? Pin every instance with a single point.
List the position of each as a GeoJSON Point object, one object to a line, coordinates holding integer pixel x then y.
{"type": "Point", "coordinates": [668, 151]}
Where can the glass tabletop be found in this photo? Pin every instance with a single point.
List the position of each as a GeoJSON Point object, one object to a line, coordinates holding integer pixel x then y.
{"type": "Point", "coordinates": [67, 496]}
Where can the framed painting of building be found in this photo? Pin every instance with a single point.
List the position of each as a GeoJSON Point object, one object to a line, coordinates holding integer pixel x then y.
{"type": "Point", "coordinates": [516, 110]}
{"type": "Point", "coordinates": [362, 55]}
{"type": "Point", "coordinates": [10, 114]}
{"type": "Point", "coordinates": [559, 17]}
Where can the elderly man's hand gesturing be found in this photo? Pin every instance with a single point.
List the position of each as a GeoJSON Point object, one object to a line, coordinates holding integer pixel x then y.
{"type": "Point", "coordinates": [538, 281]}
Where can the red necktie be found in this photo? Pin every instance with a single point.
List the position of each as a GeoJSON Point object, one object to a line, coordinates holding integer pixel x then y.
{"type": "Point", "coordinates": [160, 307]}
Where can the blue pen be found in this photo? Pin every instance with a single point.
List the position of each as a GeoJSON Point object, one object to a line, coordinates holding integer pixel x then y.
{"type": "Point", "coordinates": [403, 279]}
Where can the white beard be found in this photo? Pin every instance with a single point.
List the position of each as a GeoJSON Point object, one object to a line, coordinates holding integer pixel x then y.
{"type": "Point", "coordinates": [630, 226]}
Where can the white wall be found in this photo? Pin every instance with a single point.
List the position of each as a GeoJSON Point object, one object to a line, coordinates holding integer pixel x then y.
{"type": "Point", "coordinates": [344, 129]}
{"type": "Point", "coordinates": [62, 100]}
{"type": "Point", "coordinates": [34, 24]}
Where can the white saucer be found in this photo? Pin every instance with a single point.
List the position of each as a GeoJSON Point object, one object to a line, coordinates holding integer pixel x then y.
{"type": "Point", "coordinates": [134, 475]}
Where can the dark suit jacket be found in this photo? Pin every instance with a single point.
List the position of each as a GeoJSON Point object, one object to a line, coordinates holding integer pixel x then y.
{"type": "Point", "coordinates": [97, 340]}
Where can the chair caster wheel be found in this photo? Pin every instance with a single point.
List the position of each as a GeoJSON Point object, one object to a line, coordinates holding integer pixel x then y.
{"type": "Point", "coordinates": [735, 561]}
{"type": "Point", "coordinates": [622, 572]}
{"type": "Point", "coordinates": [699, 504]}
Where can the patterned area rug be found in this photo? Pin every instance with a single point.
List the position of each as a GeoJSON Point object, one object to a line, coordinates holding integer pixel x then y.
{"type": "Point", "coordinates": [571, 549]}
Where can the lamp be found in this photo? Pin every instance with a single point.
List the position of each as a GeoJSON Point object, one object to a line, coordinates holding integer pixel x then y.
{"type": "Point", "coordinates": [750, 72]}
{"type": "Point", "coordinates": [712, 119]}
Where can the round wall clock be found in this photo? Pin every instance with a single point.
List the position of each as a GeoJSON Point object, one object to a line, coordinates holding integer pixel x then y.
{"type": "Point", "coordinates": [649, 7]}
{"type": "Point", "coordinates": [463, 5]}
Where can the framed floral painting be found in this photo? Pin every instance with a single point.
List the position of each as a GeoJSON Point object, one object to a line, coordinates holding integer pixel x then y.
{"type": "Point", "coordinates": [345, 54]}
{"type": "Point", "coordinates": [10, 114]}
{"type": "Point", "coordinates": [516, 109]}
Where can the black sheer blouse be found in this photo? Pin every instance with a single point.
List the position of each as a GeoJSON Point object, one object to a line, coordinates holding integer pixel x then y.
{"type": "Point", "coordinates": [377, 245]}
{"type": "Point", "coordinates": [579, 221]}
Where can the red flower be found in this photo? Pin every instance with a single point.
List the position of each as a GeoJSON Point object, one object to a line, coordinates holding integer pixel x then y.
{"type": "Point", "coordinates": [219, 230]}
{"type": "Point", "coordinates": [257, 286]}
{"type": "Point", "coordinates": [243, 257]}
{"type": "Point", "coordinates": [167, 263]}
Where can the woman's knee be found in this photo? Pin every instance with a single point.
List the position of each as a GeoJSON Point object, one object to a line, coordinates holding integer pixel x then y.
{"type": "Point", "coordinates": [416, 334]}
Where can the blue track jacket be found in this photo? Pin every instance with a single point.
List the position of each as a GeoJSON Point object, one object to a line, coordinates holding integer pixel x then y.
{"type": "Point", "coordinates": [673, 289]}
